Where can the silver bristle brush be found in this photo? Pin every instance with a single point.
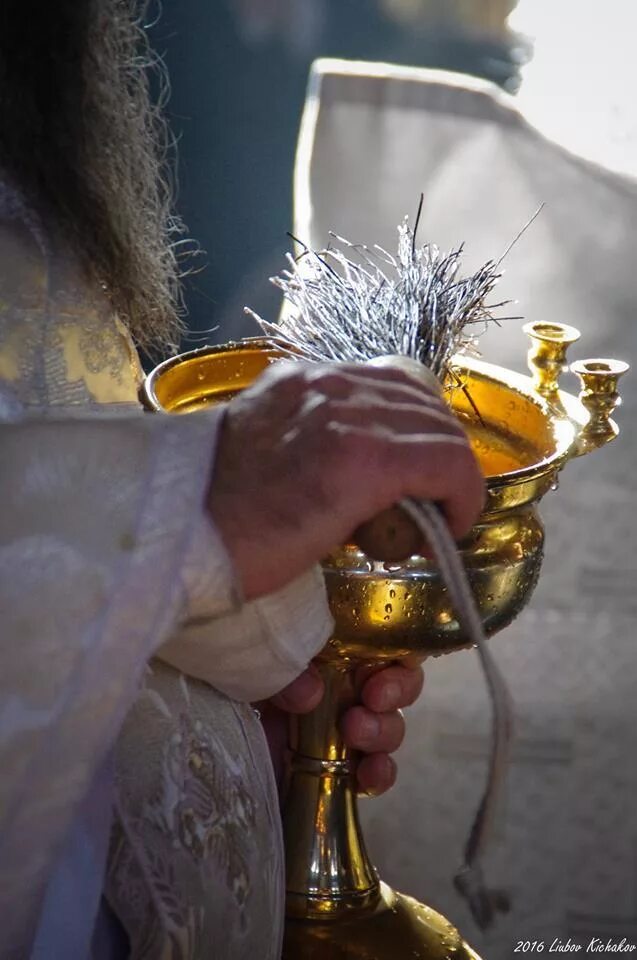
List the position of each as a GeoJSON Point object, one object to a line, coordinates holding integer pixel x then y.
{"type": "Point", "coordinates": [354, 303]}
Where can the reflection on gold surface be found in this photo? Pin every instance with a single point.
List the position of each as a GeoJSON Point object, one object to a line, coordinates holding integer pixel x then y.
{"type": "Point", "coordinates": [207, 376]}
{"type": "Point", "coordinates": [384, 611]}
{"type": "Point", "coordinates": [395, 927]}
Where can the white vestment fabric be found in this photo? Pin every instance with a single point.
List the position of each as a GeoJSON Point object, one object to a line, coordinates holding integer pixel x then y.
{"type": "Point", "coordinates": [373, 137]}
{"type": "Point", "coordinates": [106, 553]}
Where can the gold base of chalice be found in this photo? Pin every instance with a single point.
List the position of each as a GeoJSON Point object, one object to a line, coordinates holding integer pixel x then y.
{"type": "Point", "coordinates": [396, 926]}
{"type": "Point", "coordinates": [528, 429]}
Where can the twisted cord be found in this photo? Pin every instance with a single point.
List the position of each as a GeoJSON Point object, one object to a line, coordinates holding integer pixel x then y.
{"type": "Point", "coordinates": [483, 902]}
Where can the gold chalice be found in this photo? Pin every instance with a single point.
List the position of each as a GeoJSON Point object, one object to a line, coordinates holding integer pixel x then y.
{"type": "Point", "coordinates": [528, 429]}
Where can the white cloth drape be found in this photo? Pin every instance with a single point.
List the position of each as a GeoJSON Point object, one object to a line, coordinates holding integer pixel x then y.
{"type": "Point", "coordinates": [92, 542]}
{"type": "Point", "coordinates": [374, 136]}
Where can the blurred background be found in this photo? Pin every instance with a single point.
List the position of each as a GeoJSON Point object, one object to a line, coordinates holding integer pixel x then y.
{"type": "Point", "coordinates": [239, 71]}
{"type": "Point", "coordinates": [556, 123]}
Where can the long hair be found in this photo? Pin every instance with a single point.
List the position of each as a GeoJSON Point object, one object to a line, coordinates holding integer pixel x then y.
{"type": "Point", "coordinates": [83, 139]}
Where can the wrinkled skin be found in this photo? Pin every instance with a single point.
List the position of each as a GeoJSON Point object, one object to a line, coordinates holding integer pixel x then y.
{"type": "Point", "coordinates": [305, 456]}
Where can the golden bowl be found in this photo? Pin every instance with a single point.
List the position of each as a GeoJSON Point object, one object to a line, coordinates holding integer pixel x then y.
{"type": "Point", "coordinates": [524, 438]}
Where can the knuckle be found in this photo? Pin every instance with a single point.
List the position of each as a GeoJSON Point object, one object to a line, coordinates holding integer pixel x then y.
{"type": "Point", "coordinates": [296, 378]}
{"type": "Point", "coordinates": [319, 410]}
{"type": "Point", "coordinates": [285, 381]}
{"type": "Point", "coordinates": [330, 380]}
{"type": "Point", "coordinates": [350, 725]}
{"type": "Point", "coordinates": [420, 382]}
{"type": "Point", "coordinates": [325, 376]}
{"type": "Point", "coordinates": [337, 443]}
{"type": "Point", "coordinates": [424, 384]}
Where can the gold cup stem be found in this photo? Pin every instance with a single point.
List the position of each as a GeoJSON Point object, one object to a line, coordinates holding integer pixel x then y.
{"type": "Point", "coordinates": [328, 870]}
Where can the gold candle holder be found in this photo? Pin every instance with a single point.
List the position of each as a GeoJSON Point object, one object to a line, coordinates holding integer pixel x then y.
{"type": "Point", "coordinates": [337, 907]}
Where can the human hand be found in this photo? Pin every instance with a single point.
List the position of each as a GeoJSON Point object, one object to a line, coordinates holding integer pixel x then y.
{"type": "Point", "coordinates": [375, 727]}
{"type": "Point", "coordinates": [311, 451]}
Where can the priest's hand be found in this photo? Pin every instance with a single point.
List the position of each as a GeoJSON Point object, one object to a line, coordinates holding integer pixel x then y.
{"type": "Point", "coordinates": [313, 450]}
{"type": "Point", "coordinates": [375, 728]}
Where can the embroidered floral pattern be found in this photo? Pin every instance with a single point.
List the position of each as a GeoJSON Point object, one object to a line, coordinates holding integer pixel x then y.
{"type": "Point", "coordinates": [197, 826]}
